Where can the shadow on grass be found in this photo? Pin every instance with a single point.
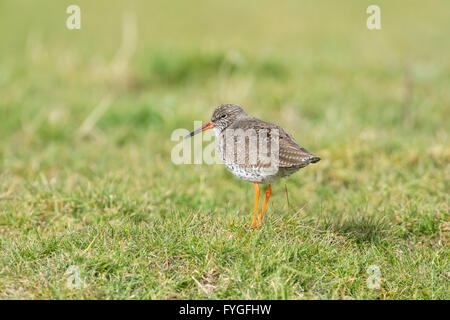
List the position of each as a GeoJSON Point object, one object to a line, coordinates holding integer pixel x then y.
{"type": "Point", "coordinates": [362, 229]}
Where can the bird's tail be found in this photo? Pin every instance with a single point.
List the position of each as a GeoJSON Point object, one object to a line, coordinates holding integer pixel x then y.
{"type": "Point", "coordinates": [314, 159]}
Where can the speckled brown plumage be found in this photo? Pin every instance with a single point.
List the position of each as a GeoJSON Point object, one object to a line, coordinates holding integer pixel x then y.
{"type": "Point", "coordinates": [239, 128]}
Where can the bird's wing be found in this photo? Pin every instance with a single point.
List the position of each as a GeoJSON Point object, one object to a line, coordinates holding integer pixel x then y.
{"type": "Point", "coordinates": [291, 154]}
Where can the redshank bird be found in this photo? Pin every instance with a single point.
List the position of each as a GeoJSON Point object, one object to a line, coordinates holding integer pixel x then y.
{"type": "Point", "coordinates": [255, 150]}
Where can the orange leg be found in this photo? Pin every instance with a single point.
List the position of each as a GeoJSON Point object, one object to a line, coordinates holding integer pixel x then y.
{"type": "Point", "coordinates": [268, 192]}
{"type": "Point", "coordinates": [255, 211]}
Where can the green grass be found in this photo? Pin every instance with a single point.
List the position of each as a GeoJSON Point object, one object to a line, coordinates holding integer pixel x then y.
{"type": "Point", "coordinates": [86, 177]}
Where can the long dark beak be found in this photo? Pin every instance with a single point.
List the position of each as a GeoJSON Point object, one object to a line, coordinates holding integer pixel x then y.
{"type": "Point", "coordinates": [207, 126]}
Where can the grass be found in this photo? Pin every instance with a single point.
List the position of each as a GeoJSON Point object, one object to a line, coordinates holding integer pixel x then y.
{"type": "Point", "coordinates": [86, 178]}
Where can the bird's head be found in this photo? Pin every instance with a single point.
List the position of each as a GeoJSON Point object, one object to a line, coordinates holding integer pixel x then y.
{"type": "Point", "coordinates": [222, 117]}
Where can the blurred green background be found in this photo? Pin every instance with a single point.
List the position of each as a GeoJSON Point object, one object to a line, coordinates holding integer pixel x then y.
{"type": "Point", "coordinates": [85, 123]}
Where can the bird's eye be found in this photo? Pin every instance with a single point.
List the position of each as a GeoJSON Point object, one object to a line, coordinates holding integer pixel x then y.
{"type": "Point", "coordinates": [223, 116]}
